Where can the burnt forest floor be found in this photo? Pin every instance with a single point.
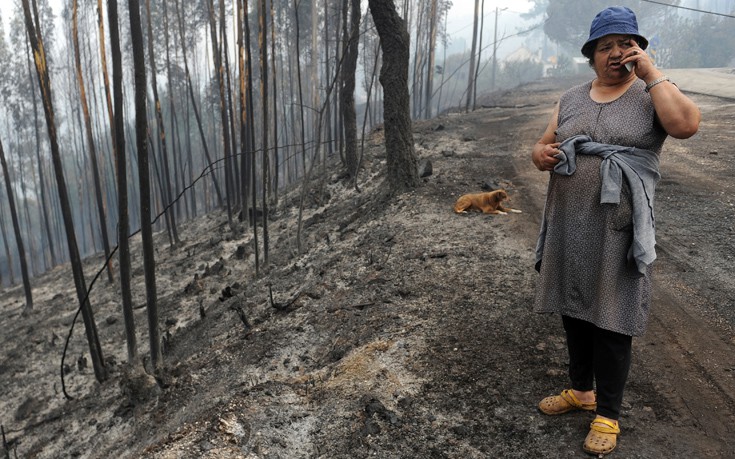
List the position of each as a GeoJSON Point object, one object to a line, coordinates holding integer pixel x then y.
{"type": "Point", "coordinates": [401, 330]}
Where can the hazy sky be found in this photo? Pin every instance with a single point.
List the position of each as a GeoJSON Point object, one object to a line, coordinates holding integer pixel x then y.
{"type": "Point", "coordinates": [462, 12]}
{"type": "Point", "coordinates": [461, 17]}
{"type": "Point", "coordinates": [459, 22]}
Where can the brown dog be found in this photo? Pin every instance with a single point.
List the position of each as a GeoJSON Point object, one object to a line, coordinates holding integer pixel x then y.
{"type": "Point", "coordinates": [488, 203]}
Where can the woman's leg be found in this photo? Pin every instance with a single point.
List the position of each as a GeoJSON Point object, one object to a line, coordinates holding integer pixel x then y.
{"type": "Point", "coordinates": [612, 364]}
{"type": "Point", "coordinates": [580, 344]}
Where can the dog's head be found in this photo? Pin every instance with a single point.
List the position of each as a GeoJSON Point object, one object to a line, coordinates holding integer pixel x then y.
{"type": "Point", "coordinates": [500, 195]}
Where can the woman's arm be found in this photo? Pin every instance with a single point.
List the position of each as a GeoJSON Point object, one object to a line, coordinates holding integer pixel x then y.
{"type": "Point", "coordinates": [545, 149]}
{"type": "Point", "coordinates": [678, 115]}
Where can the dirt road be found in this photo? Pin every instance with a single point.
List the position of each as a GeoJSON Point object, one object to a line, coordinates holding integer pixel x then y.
{"type": "Point", "coordinates": [402, 330]}
{"type": "Point", "coordinates": [709, 82]}
{"type": "Point", "coordinates": [685, 364]}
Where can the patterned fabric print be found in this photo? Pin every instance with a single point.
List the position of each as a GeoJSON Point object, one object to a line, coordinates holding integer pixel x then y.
{"type": "Point", "coordinates": [585, 273]}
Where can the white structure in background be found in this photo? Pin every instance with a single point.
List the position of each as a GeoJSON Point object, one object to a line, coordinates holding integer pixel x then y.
{"type": "Point", "coordinates": [524, 54]}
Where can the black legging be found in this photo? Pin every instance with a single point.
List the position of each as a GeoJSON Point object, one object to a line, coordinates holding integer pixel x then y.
{"type": "Point", "coordinates": [598, 357]}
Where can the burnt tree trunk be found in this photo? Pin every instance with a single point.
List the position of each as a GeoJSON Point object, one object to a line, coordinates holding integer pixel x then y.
{"type": "Point", "coordinates": [220, 70]}
{"type": "Point", "coordinates": [401, 155]}
{"type": "Point", "coordinates": [243, 113]}
{"type": "Point", "coordinates": [101, 213]}
{"type": "Point", "coordinates": [195, 108]}
{"type": "Point", "coordinates": [300, 85]}
{"type": "Point", "coordinates": [251, 130]}
{"type": "Point", "coordinates": [351, 31]}
{"type": "Point", "coordinates": [168, 204]}
{"type": "Point", "coordinates": [231, 166]}
{"type": "Point", "coordinates": [123, 218]}
{"type": "Point", "coordinates": [276, 162]}
{"type": "Point", "coordinates": [44, 82]}
{"type": "Point", "coordinates": [429, 85]}
{"type": "Point", "coordinates": [41, 175]}
{"type": "Point", "coordinates": [471, 75]}
{"type": "Point", "coordinates": [16, 229]}
{"type": "Point", "coordinates": [263, 44]}
{"type": "Point", "coordinates": [146, 229]}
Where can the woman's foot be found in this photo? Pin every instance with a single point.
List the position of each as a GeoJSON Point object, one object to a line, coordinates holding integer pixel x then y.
{"type": "Point", "coordinates": [603, 436]}
{"type": "Point", "coordinates": [568, 400]}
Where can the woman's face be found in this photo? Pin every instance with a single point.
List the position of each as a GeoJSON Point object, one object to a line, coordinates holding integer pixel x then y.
{"type": "Point", "coordinates": [609, 51]}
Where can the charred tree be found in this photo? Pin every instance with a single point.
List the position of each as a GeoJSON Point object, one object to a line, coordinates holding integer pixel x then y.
{"type": "Point", "coordinates": [141, 134]}
{"type": "Point", "coordinates": [170, 214]}
{"type": "Point", "coordinates": [479, 56]}
{"type": "Point", "coordinates": [330, 125]}
{"type": "Point", "coordinates": [263, 42]}
{"type": "Point", "coordinates": [194, 105]}
{"type": "Point", "coordinates": [418, 60]}
{"type": "Point", "coordinates": [401, 155]}
{"type": "Point", "coordinates": [174, 210]}
{"type": "Point", "coordinates": [246, 118]}
{"type": "Point", "coordinates": [8, 255]}
{"type": "Point", "coordinates": [44, 81]}
{"type": "Point", "coordinates": [16, 228]}
{"type": "Point", "coordinates": [231, 167]}
{"type": "Point", "coordinates": [251, 132]}
{"type": "Point", "coordinates": [314, 67]}
{"type": "Point", "coordinates": [101, 214]}
{"type": "Point", "coordinates": [105, 74]}
{"type": "Point", "coordinates": [471, 77]}
{"type": "Point", "coordinates": [429, 85]}
{"type": "Point", "coordinates": [123, 221]}
{"type": "Point", "coordinates": [301, 88]}
{"type": "Point", "coordinates": [219, 70]}
{"type": "Point", "coordinates": [274, 90]}
{"type": "Point", "coordinates": [351, 31]}
{"type": "Point", "coordinates": [41, 175]}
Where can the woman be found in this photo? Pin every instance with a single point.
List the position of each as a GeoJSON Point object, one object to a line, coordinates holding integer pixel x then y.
{"type": "Point", "coordinates": [589, 257]}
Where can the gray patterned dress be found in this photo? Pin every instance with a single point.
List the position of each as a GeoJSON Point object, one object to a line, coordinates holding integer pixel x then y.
{"type": "Point", "coordinates": [584, 272]}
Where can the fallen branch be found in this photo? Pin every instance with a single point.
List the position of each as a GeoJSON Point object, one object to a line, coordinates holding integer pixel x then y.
{"type": "Point", "coordinates": [6, 447]}
{"type": "Point", "coordinates": [287, 304]}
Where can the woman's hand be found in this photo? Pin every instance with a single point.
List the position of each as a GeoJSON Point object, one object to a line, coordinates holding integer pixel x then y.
{"type": "Point", "coordinates": [643, 64]}
{"type": "Point", "coordinates": [543, 155]}
{"type": "Point", "coordinates": [545, 149]}
{"type": "Point", "coordinates": [678, 114]}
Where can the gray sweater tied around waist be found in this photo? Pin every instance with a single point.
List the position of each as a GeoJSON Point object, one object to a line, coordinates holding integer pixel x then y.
{"type": "Point", "coordinates": [641, 170]}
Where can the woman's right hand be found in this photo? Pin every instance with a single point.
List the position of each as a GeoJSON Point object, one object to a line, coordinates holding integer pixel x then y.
{"type": "Point", "coordinates": [544, 155]}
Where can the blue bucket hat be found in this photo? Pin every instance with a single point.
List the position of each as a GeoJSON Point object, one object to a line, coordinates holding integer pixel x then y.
{"type": "Point", "coordinates": [617, 20]}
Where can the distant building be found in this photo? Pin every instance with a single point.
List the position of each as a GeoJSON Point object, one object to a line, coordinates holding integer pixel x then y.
{"type": "Point", "coordinates": [524, 54]}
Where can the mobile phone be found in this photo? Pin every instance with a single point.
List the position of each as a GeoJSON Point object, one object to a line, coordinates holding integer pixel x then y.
{"type": "Point", "coordinates": [629, 66]}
